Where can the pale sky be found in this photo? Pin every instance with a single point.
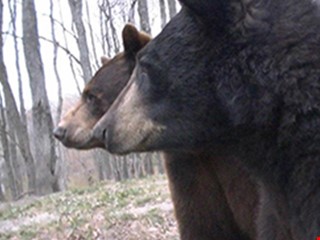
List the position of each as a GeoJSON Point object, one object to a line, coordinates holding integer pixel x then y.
{"type": "Point", "coordinates": [68, 81]}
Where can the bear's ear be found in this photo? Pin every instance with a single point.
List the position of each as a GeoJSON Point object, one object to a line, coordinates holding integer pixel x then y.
{"type": "Point", "coordinates": [144, 38]}
{"type": "Point", "coordinates": [104, 60]}
{"type": "Point", "coordinates": [133, 40]}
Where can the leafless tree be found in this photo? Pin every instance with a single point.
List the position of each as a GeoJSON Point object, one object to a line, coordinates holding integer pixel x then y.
{"type": "Point", "coordinates": [85, 30]}
{"type": "Point", "coordinates": [55, 59]}
{"type": "Point", "coordinates": [15, 159]}
{"type": "Point", "coordinates": [42, 124]}
{"type": "Point", "coordinates": [18, 129]}
{"type": "Point", "coordinates": [13, 15]}
{"type": "Point", "coordinates": [2, 196]}
{"type": "Point", "coordinates": [160, 162]}
{"type": "Point", "coordinates": [131, 13]}
{"type": "Point", "coordinates": [6, 153]}
{"type": "Point", "coordinates": [9, 151]}
{"type": "Point", "coordinates": [76, 12]}
{"type": "Point", "coordinates": [163, 13]}
{"type": "Point", "coordinates": [101, 165]}
{"type": "Point", "coordinates": [110, 30]}
{"type": "Point", "coordinates": [144, 16]}
{"type": "Point", "coordinates": [71, 58]}
{"type": "Point", "coordinates": [172, 8]}
{"type": "Point", "coordinates": [102, 23]}
{"type": "Point", "coordinates": [92, 39]}
{"type": "Point", "coordinates": [104, 31]}
{"type": "Point", "coordinates": [59, 169]}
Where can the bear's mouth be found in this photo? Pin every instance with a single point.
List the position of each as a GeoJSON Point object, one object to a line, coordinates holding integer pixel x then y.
{"type": "Point", "coordinates": [124, 142]}
{"type": "Point", "coordinates": [82, 140]}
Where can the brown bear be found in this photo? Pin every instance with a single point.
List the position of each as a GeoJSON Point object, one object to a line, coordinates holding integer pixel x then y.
{"type": "Point", "coordinates": [74, 129]}
{"type": "Point", "coordinates": [213, 199]}
{"type": "Point", "coordinates": [242, 77]}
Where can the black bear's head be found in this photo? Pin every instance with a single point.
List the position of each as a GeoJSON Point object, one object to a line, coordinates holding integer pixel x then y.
{"type": "Point", "coordinates": [205, 80]}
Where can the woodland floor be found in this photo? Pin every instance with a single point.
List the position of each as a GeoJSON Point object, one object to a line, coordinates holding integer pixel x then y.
{"type": "Point", "coordinates": [131, 210]}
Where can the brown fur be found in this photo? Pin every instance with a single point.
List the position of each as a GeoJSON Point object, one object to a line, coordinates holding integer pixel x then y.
{"type": "Point", "coordinates": [74, 129]}
{"type": "Point", "coordinates": [214, 198]}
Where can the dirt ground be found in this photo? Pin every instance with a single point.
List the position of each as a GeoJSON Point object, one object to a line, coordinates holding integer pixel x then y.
{"type": "Point", "coordinates": [132, 210]}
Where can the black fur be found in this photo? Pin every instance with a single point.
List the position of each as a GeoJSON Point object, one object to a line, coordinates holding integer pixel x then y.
{"type": "Point", "coordinates": [243, 75]}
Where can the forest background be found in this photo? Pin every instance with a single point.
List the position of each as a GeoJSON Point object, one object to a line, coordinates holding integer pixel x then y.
{"type": "Point", "coordinates": [48, 51]}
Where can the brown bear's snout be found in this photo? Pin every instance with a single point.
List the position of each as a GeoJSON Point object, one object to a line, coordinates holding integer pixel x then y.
{"type": "Point", "coordinates": [59, 133]}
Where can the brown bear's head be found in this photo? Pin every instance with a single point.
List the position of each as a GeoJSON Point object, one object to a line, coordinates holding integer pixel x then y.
{"type": "Point", "coordinates": [74, 129]}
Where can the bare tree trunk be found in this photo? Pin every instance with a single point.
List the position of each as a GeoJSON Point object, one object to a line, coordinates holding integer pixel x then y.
{"type": "Point", "coordinates": [2, 196]}
{"type": "Point", "coordinates": [103, 35]}
{"type": "Point", "coordinates": [13, 14]}
{"type": "Point", "coordinates": [159, 160]}
{"type": "Point", "coordinates": [45, 154]}
{"type": "Point", "coordinates": [163, 13]}
{"type": "Point", "coordinates": [144, 16]}
{"type": "Point", "coordinates": [114, 36]}
{"type": "Point", "coordinates": [2, 179]}
{"type": "Point", "coordinates": [19, 127]}
{"type": "Point", "coordinates": [76, 11]}
{"type": "Point", "coordinates": [59, 164]}
{"type": "Point", "coordinates": [138, 165]}
{"type": "Point", "coordinates": [131, 14]}
{"type": "Point", "coordinates": [16, 162]}
{"type": "Point", "coordinates": [99, 165]}
{"type": "Point", "coordinates": [172, 8]}
{"type": "Point", "coordinates": [61, 170]}
{"type": "Point", "coordinates": [55, 57]}
{"type": "Point", "coordinates": [70, 57]}
{"type": "Point", "coordinates": [6, 152]}
{"type": "Point", "coordinates": [96, 58]}
{"type": "Point", "coordinates": [108, 169]}
{"type": "Point", "coordinates": [21, 130]}
{"type": "Point", "coordinates": [107, 38]}
{"type": "Point", "coordinates": [125, 171]}
{"type": "Point", "coordinates": [149, 164]}
{"type": "Point", "coordinates": [100, 158]}
{"type": "Point", "coordinates": [116, 169]}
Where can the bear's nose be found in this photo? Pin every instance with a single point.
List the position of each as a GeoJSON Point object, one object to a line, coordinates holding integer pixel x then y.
{"type": "Point", "coordinates": [59, 133]}
{"type": "Point", "coordinates": [99, 133]}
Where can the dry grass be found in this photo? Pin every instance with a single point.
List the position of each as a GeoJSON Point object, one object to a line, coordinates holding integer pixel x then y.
{"type": "Point", "coordinates": [131, 210]}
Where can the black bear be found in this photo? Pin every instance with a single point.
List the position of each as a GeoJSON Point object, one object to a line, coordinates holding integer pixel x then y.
{"type": "Point", "coordinates": [213, 199]}
{"type": "Point", "coordinates": [243, 78]}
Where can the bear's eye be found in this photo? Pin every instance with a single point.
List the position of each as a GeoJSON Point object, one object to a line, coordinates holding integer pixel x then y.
{"type": "Point", "coordinates": [151, 72]}
{"type": "Point", "coordinates": [144, 76]}
{"type": "Point", "coordinates": [90, 98]}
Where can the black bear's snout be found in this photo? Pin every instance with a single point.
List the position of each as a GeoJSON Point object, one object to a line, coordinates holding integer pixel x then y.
{"type": "Point", "coordinates": [59, 133]}
{"type": "Point", "coordinates": [104, 134]}
{"type": "Point", "coordinates": [100, 133]}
